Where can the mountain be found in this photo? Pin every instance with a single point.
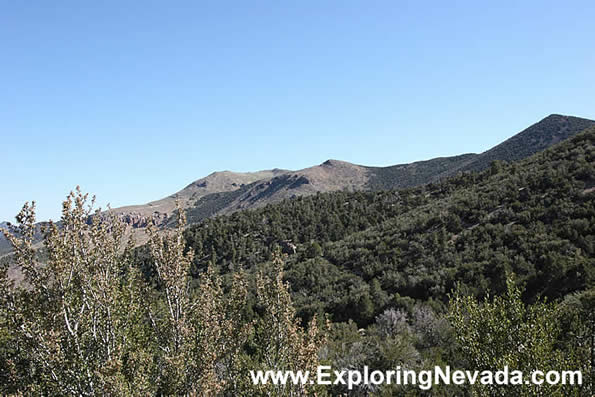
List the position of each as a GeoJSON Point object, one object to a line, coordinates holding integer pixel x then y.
{"type": "Point", "coordinates": [215, 183]}
{"type": "Point", "coordinates": [549, 131]}
{"type": "Point", "coordinates": [6, 247]}
{"type": "Point", "coordinates": [335, 175]}
{"type": "Point", "coordinates": [332, 175]}
{"type": "Point", "coordinates": [536, 138]}
{"type": "Point", "coordinates": [226, 192]}
{"type": "Point", "coordinates": [353, 254]}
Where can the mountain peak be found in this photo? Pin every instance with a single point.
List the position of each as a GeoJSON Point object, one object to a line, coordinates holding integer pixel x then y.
{"type": "Point", "coordinates": [555, 116]}
{"type": "Point", "coordinates": [226, 191]}
{"type": "Point", "coordinates": [563, 118]}
{"type": "Point", "coordinates": [535, 138]}
{"type": "Point", "coordinates": [336, 163]}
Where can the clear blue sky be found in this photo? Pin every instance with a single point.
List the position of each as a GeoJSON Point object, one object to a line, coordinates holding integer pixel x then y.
{"type": "Point", "coordinates": [134, 100]}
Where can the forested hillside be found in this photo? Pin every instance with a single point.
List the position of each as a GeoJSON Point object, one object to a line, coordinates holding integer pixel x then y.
{"type": "Point", "coordinates": [549, 131]}
{"type": "Point", "coordinates": [358, 253]}
{"type": "Point", "coordinates": [535, 138]}
{"type": "Point", "coordinates": [479, 271]}
{"type": "Point", "coordinates": [222, 193]}
{"type": "Point", "coordinates": [383, 265]}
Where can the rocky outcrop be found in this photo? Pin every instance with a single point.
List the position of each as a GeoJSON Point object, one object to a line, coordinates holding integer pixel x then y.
{"type": "Point", "coordinates": [138, 220]}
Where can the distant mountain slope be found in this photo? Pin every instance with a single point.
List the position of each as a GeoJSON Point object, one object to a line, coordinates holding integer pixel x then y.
{"type": "Point", "coordinates": [226, 192]}
{"type": "Point", "coordinates": [536, 138]}
{"type": "Point", "coordinates": [138, 216]}
{"type": "Point", "coordinates": [6, 247]}
{"type": "Point", "coordinates": [549, 131]}
{"type": "Point", "coordinates": [413, 174]}
{"type": "Point", "coordinates": [352, 254]}
{"type": "Point", "coordinates": [334, 175]}
{"type": "Point", "coordinates": [215, 183]}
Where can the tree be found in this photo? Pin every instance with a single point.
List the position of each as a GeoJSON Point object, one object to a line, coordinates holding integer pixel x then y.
{"type": "Point", "coordinates": [74, 314]}
{"type": "Point", "coordinates": [503, 332]}
{"type": "Point", "coordinates": [199, 337]}
{"type": "Point", "coordinates": [84, 322]}
{"type": "Point", "coordinates": [281, 344]}
{"type": "Point", "coordinates": [314, 250]}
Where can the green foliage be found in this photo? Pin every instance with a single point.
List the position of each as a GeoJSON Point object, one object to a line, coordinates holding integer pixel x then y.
{"type": "Point", "coordinates": [535, 218]}
{"type": "Point", "coordinates": [504, 332]}
{"type": "Point", "coordinates": [193, 310]}
{"type": "Point", "coordinates": [73, 319]}
{"type": "Point", "coordinates": [415, 174]}
{"type": "Point", "coordinates": [86, 323]}
{"type": "Point", "coordinates": [533, 139]}
{"type": "Point", "coordinates": [398, 250]}
{"type": "Point", "coordinates": [279, 343]}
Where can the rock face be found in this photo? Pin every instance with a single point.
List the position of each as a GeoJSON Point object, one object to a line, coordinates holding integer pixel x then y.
{"type": "Point", "coordinates": [137, 220]}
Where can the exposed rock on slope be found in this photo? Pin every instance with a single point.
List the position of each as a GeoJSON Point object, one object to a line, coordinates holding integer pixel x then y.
{"type": "Point", "coordinates": [161, 210]}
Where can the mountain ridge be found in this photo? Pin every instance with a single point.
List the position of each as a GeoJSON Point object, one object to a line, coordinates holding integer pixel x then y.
{"type": "Point", "coordinates": [333, 175]}
{"type": "Point", "coordinates": [225, 192]}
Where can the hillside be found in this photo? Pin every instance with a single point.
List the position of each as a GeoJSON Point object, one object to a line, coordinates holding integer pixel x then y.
{"type": "Point", "coordinates": [334, 175]}
{"type": "Point", "coordinates": [532, 217]}
{"type": "Point", "coordinates": [226, 192]}
{"type": "Point", "coordinates": [549, 131]}
{"type": "Point", "coordinates": [215, 183]}
{"type": "Point", "coordinates": [417, 173]}
{"type": "Point", "coordinates": [380, 266]}
{"type": "Point", "coordinates": [541, 135]}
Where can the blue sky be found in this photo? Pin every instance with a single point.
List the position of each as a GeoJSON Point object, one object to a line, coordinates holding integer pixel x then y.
{"type": "Point", "coordinates": [134, 100]}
